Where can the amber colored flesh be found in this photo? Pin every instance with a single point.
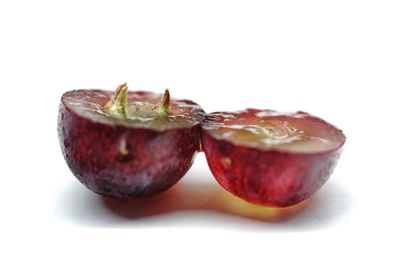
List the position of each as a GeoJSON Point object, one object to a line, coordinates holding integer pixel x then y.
{"type": "Point", "coordinates": [270, 158]}
{"type": "Point", "coordinates": [141, 110]}
{"type": "Point", "coordinates": [296, 132]}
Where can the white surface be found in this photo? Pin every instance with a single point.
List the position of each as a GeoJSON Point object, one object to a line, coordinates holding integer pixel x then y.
{"type": "Point", "coordinates": [335, 59]}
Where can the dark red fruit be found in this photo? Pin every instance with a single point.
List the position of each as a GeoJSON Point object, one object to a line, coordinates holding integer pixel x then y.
{"type": "Point", "coordinates": [130, 144]}
{"type": "Point", "coordinates": [270, 158]}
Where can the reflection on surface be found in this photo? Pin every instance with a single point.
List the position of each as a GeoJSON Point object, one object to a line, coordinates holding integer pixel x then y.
{"type": "Point", "coordinates": [198, 200]}
{"type": "Point", "coordinates": [197, 197]}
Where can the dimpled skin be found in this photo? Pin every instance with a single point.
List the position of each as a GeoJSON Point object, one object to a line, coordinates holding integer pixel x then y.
{"type": "Point", "coordinates": [268, 178]}
{"type": "Point", "coordinates": [155, 160]}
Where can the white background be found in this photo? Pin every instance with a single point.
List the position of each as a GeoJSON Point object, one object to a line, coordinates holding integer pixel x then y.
{"type": "Point", "coordinates": [339, 60]}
